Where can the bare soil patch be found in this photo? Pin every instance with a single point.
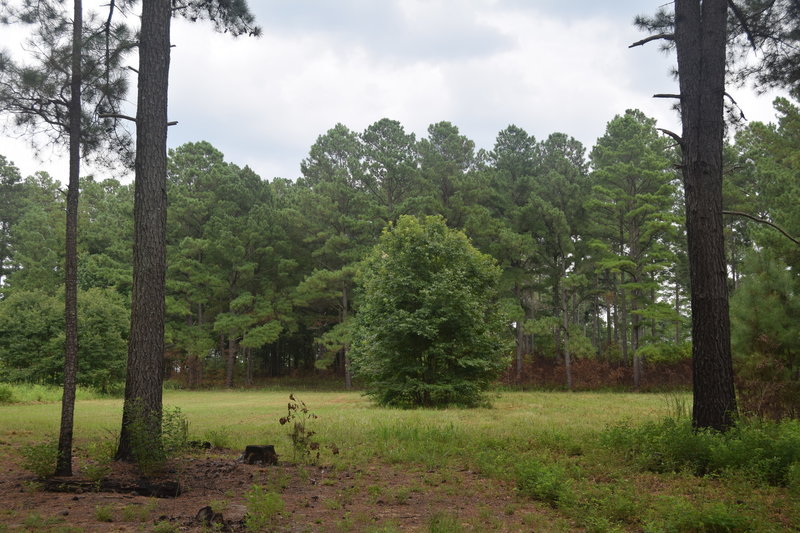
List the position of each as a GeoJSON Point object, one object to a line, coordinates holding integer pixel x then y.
{"type": "Point", "coordinates": [376, 497]}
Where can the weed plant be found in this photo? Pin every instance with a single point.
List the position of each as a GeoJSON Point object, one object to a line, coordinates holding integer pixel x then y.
{"type": "Point", "coordinates": [299, 418]}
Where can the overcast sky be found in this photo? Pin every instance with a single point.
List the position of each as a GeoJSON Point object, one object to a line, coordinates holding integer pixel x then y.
{"type": "Point", "coordinates": [544, 65]}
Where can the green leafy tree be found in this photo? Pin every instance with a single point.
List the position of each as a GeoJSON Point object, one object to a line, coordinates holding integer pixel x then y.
{"type": "Point", "coordinates": [429, 331]}
{"type": "Point", "coordinates": [32, 338]}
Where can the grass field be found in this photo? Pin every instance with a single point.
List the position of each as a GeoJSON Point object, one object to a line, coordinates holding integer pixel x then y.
{"type": "Point", "coordinates": [548, 445]}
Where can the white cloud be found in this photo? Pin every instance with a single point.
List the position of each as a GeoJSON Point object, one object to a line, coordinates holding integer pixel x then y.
{"type": "Point", "coordinates": [481, 64]}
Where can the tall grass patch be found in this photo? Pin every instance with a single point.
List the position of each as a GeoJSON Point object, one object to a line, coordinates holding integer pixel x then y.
{"type": "Point", "coordinates": [764, 451]}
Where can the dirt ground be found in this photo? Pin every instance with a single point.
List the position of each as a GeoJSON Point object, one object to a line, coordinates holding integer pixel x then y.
{"type": "Point", "coordinates": [378, 497]}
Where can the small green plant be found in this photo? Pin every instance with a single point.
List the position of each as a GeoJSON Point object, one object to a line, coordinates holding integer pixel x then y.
{"type": "Point", "coordinates": [29, 487]}
{"type": "Point", "coordinates": [219, 506]}
{"type": "Point", "coordinates": [401, 495]}
{"type": "Point", "coordinates": [138, 513]}
{"type": "Point", "coordinates": [104, 513]}
{"type": "Point", "coordinates": [793, 478]}
{"type": "Point", "coordinates": [374, 492]}
{"type": "Point", "coordinates": [542, 482]}
{"type": "Point", "coordinates": [40, 458]}
{"type": "Point", "coordinates": [36, 522]}
{"type": "Point", "coordinates": [143, 429]}
{"type": "Point", "coordinates": [679, 515]}
{"type": "Point", "coordinates": [165, 527]}
{"type": "Point", "coordinates": [100, 456]}
{"type": "Point", "coordinates": [444, 523]}
{"type": "Point", "coordinates": [219, 438]}
{"type": "Point", "coordinates": [299, 417]}
{"type": "Point", "coordinates": [262, 507]}
{"type": "Point", "coordinates": [96, 472]}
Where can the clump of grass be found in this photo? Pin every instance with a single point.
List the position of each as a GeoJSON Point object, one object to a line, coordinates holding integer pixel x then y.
{"type": "Point", "coordinates": [165, 527]}
{"type": "Point", "coordinates": [219, 438]}
{"type": "Point", "coordinates": [104, 513]}
{"type": "Point", "coordinates": [138, 513]}
{"type": "Point", "coordinates": [6, 394]}
{"type": "Point", "coordinates": [35, 393]}
{"type": "Point", "coordinates": [547, 483]}
{"type": "Point", "coordinates": [678, 515]}
{"type": "Point", "coordinates": [262, 507]}
{"type": "Point", "coordinates": [441, 522]}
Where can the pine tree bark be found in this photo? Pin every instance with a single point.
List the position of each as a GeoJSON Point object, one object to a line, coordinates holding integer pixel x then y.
{"type": "Point", "coordinates": [348, 377]}
{"type": "Point", "coordinates": [64, 461]}
{"type": "Point", "coordinates": [700, 39]}
{"type": "Point", "coordinates": [145, 373]}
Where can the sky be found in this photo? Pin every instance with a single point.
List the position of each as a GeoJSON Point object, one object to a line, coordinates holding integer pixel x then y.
{"type": "Point", "coordinates": [543, 65]}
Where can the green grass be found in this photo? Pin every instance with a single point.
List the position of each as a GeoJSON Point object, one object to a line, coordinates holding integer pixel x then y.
{"type": "Point", "coordinates": [28, 393]}
{"type": "Point", "coordinates": [549, 445]}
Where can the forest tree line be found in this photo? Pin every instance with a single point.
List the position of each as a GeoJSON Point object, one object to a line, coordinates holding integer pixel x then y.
{"type": "Point", "coordinates": [261, 274]}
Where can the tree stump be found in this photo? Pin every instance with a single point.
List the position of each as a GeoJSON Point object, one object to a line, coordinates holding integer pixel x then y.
{"type": "Point", "coordinates": [262, 454]}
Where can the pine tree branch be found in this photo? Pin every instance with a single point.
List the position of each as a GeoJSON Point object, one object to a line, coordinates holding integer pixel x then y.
{"type": "Point", "coordinates": [665, 36]}
{"type": "Point", "coordinates": [678, 139]}
{"type": "Point", "coordinates": [128, 117]}
{"type": "Point", "coordinates": [666, 95]}
{"type": "Point", "coordinates": [117, 115]}
{"type": "Point", "coordinates": [741, 112]}
{"type": "Point", "coordinates": [762, 221]}
{"type": "Point", "coordinates": [740, 16]}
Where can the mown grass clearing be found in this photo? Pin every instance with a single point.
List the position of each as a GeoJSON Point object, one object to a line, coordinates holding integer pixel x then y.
{"type": "Point", "coordinates": [546, 446]}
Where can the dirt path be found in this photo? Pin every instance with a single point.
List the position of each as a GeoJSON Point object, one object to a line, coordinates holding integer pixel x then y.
{"type": "Point", "coordinates": [377, 498]}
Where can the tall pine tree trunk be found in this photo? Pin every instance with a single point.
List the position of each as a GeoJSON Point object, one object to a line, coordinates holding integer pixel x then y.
{"type": "Point", "coordinates": [700, 39]}
{"type": "Point", "coordinates": [519, 350]}
{"type": "Point", "coordinates": [567, 355]}
{"type": "Point", "coordinates": [230, 360]}
{"type": "Point", "coordinates": [143, 396]}
{"type": "Point", "coordinates": [64, 462]}
{"type": "Point", "coordinates": [348, 378]}
{"type": "Point", "coordinates": [636, 328]}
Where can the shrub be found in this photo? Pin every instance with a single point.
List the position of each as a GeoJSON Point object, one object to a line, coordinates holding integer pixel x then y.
{"type": "Point", "coordinates": [429, 331]}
